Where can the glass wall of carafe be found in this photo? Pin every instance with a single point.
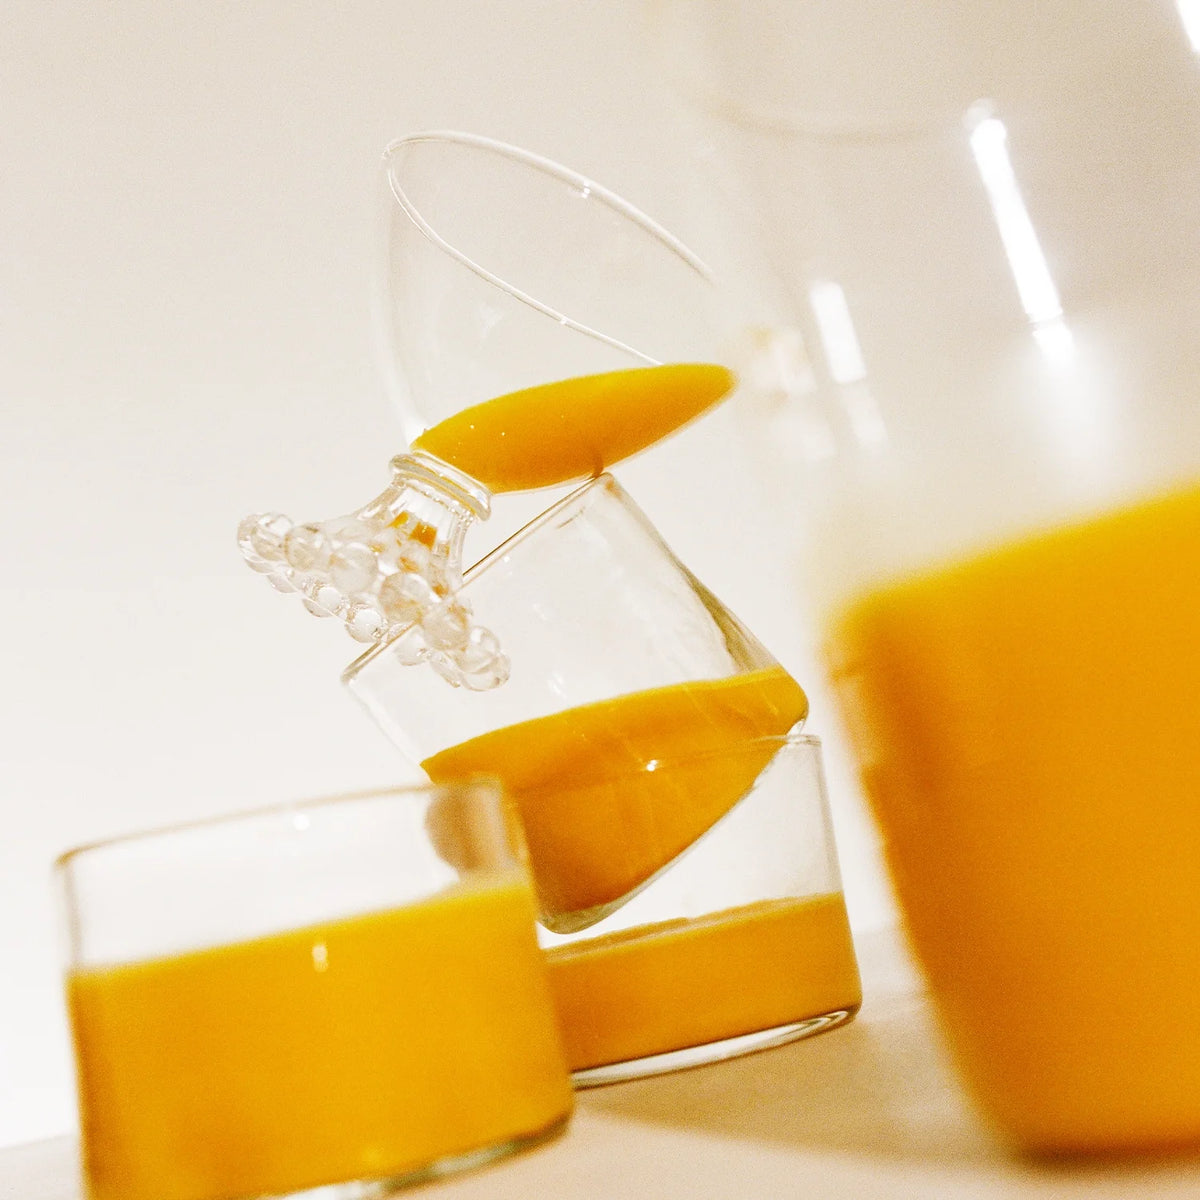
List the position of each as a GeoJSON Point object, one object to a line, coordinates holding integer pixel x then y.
{"type": "Point", "coordinates": [983, 227]}
{"type": "Point", "coordinates": [983, 221]}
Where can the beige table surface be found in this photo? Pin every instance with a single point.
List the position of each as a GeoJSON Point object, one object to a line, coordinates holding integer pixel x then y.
{"type": "Point", "coordinates": [866, 1112]}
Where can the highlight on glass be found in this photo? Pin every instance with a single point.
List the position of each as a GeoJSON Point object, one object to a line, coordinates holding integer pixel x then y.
{"type": "Point", "coordinates": [620, 658]}
{"type": "Point", "coordinates": [740, 944]}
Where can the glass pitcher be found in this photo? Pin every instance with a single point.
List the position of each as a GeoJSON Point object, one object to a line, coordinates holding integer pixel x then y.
{"type": "Point", "coordinates": [982, 408]}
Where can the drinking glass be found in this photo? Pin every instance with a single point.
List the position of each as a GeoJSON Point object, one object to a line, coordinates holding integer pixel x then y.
{"type": "Point", "coordinates": [539, 330]}
{"type": "Point", "coordinates": [983, 224]}
{"type": "Point", "coordinates": [616, 658]}
{"type": "Point", "coordinates": [740, 944]}
{"type": "Point", "coordinates": [344, 995]}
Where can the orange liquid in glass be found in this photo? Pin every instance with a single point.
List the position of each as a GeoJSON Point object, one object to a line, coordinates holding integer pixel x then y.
{"type": "Point", "coordinates": [573, 429]}
{"type": "Point", "coordinates": [1028, 730]}
{"type": "Point", "coordinates": [598, 821]}
{"type": "Point", "coordinates": [658, 988]}
{"type": "Point", "coordinates": [354, 1049]}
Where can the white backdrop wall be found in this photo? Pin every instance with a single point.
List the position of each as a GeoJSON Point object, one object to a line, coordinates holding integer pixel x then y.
{"type": "Point", "coordinates": [186, 245]}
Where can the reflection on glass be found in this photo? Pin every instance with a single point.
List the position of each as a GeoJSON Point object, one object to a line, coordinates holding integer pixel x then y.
{"type": "Point", "coordinates": [1055, 341]}
{"type": "Point", "coordinates": [1035, 286]}
{"type": "Point", "coordinates": [844, 357]}
{"type": "Point", "coordinates": [781, 383]}
{"type": "Point", "coordinates": [1189, 14]}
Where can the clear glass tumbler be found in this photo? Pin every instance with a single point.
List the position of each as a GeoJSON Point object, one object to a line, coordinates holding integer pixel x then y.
{"type": "Point", "coordinates": [984, 218]}
{"type": "Point", "coordinates": [340, 992]}
{"type": "Point", "coordinates": [617, 657]}
{"type": "Point", "coordinates": [740, 944]}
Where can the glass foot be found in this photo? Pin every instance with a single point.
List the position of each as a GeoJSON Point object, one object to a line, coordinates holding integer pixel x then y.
{"type": "Point", "coordinates": [710, 1052]}
{"type": "Point", "coordinates": [390, 569]}
{"type": "Point", "coordinates": [450, 1164]}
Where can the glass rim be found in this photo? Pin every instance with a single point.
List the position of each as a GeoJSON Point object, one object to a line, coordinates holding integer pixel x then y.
{"type": "Point", "coordinates": [588, 188]}
{"type": "Point", "coordinates": [604, 484]}
{"type": "Point", "coordinates": [474, 783]}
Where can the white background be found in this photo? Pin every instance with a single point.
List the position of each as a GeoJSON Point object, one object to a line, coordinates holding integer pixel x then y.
{"type": "Point", "coordinates": [186, 244]}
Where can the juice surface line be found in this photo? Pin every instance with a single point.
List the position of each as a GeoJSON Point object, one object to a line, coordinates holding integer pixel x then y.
{"type": "Point", "coordinates": [572, 429]}
{"type": "Point", "coordinates": [598, 823]}
{"type": "Point", "coordinates": [359, 1048]}
{"type": "Point", "coordinates": [1029, 737]}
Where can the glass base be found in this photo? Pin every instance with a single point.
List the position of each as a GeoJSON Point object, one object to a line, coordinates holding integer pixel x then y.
{"type": "Point", "coordinates": [451, 1164]}
{"type": "Point", "coordinates": [710, 1052]}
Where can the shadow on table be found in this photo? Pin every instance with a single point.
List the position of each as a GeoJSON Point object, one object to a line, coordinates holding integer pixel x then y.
{"type": "Point", "coordinates": [881, 1087]}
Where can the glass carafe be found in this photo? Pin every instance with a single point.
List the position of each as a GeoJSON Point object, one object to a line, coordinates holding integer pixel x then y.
{"type": "Point", "coordinates": [617, 661]}
{"type": "Point", "coordinates": [538, 329]}
{"type": "Point", "coordinates": [983, 220]}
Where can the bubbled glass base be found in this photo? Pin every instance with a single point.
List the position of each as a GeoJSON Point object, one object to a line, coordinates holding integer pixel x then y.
{"type": "Point", "coordinates": [390, 569]}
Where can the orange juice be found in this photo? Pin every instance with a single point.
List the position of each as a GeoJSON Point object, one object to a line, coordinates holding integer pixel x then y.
{"type": "Point", "coordinates": [358, 1048]}
{"type": "Point", "coordinates": [1028, 730]}
{"type": "Point", "coordinates": [601, 799]}
{"type": "Point", "coordinates": [657, 988]}
{"type": "Point", "coordinates": [573, 428]}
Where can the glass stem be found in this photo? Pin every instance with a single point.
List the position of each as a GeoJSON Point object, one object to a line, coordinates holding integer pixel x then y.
{"type": "Point", "coordinates": [385, 566]}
